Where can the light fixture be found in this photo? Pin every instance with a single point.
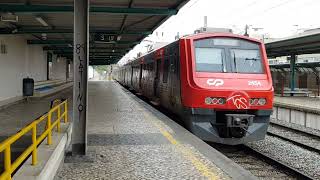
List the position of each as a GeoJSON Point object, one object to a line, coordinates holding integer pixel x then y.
{"type": "Point", "coordinates": [42, 21]}
{"type": "Point", "coordinates": [70, 45]}
{"type": "Point", "coordinates": [44, 36]}
{"type": "Point", "coordinates": [14, 31]}
{"type": "Point", "coordinates": [9, 17]}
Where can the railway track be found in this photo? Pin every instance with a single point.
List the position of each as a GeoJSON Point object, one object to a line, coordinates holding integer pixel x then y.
{"type": "Point", "coordinates": [259, 164]}
{"type": "Point", "coordinates": [297, 137]}
{"type": "Point", "coordinates": [266, 166]}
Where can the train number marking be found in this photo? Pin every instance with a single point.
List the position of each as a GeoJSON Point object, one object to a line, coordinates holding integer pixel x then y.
{"type": "Point", "coordinates": [215, 82]}
{"type": "Point", "coordinates": [254, 83]}
{"type": "Point", "coordinates": [239, 101]}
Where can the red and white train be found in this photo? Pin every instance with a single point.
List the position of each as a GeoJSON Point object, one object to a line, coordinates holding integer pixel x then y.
{"type": "Point", "coordinates": [218, 83]}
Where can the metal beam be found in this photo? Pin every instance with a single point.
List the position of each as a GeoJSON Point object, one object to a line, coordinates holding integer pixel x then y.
{"type": "Point", "coordinates": [92, 50]}
{"type": "Point", "coordinates": [52, 42]}
{"type": "Point", "coordinates": [67, 31]}
{"type": "Point", "coordinates": [63, 9]}
{"type": "Point", "coordinates": [95, 57]}
{"type": "Point", "coordinates": [103, 60]}
{"type": "Point", "coordinates": [103, 53]}
{"type": "Point", "coordinates": [125, 17]}
{"type": "Point", "coordinates": [101, 63]}
{"type": "Point", "coordinates": [98, 49]}
{"type": "Point", "coordinates": [61, 42]}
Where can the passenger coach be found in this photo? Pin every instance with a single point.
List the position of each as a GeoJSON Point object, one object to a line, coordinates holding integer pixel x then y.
{"type": "Point", "coordinates": [218, 83]}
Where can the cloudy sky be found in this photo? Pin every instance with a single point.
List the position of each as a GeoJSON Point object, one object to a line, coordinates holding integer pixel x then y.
{"type": "Point", "coordinates": [278, 18]}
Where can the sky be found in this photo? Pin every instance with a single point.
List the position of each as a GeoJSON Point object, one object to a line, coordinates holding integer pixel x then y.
{"type": "Point", "coordinates": [274, 18]}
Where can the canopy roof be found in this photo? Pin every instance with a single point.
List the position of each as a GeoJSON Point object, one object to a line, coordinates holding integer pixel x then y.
{"type": "Point", "coordinates": [306, 43]}
{"type": "Point", "coordinates": [50, 22]}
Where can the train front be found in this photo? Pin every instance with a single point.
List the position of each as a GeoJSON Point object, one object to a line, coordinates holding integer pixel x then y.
{"type": "Point", "coordinates": [227, 88]}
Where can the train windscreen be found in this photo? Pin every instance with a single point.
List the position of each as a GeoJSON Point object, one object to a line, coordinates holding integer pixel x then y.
{"type": "Point", "coordinates": [246, 60]}
{"type": "Point", "coordinates": [228, 55]}
{"type": "Point", "coordinates": [209, 59]}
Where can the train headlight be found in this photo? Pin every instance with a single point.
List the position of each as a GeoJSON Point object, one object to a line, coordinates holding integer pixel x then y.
{"type": "Point", "coordinates": [258, 101]}
{"type": "Point", "coordinates": [262, 101]}
{"type": "Point", "coordinates": [222, 101]}
{"type": "Point", "coordinates": [215, 100]}
{"type": "Point", "coordinates": [208, 100]}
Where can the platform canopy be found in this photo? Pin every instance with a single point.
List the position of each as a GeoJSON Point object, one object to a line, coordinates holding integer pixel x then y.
{"type": "Point", "coordinates": [304, 67]}
{"type": "Point", "coordinates": [116, 26]}
{"type": "Point", "coordinates": [306, 43]}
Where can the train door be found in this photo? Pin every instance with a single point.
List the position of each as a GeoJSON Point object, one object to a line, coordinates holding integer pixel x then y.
{"type": "Point", "coordinates": [156, 91]}
{"type": "Point", "coordinates": [131, 76]}
{"type": "Point", "coordinates": [124, 75]}
{"type": "Point", "coordinates": [140, 77]}
{"type": "Point", "coordinates": [172, 77]}
{"type": "Point", "coordinates": [175, 99]}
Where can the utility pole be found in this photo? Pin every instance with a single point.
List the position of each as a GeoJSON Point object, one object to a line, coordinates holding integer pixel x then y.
{"type": "Point", "coordinates": [246, 30]}
{"type": "Point", "coordinates": [205, 21]}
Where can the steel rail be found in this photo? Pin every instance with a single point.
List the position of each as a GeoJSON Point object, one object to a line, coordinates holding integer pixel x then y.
{"type": "Point", "coordinates": [273, 161]}
{"type": "Point", "coordinates": [304, 146]}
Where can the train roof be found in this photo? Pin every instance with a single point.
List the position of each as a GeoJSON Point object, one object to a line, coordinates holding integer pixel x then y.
{"type": "Point", "coordinates": [200, 36]}
{"type": "Point", "coordinates": [218, 34]}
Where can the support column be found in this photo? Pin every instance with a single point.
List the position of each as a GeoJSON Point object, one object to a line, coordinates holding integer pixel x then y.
{"type": "Point", "coordinates": [292, 72]}
{"type": "Point", "coordinates": [80, 88]}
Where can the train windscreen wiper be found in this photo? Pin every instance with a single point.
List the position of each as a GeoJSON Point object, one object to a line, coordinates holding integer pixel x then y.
{"type": "Point", "coordinates": [251, 59]}
{"type": "Point", "coordinates": [234, 61]}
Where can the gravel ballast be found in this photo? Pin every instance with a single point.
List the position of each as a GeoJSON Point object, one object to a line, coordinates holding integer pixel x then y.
{"type": "Point", "coordinates": [292, 155]}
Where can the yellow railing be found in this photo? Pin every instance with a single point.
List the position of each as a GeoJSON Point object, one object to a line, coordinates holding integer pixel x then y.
{"type": "Point", "coordinates": [9, 166]}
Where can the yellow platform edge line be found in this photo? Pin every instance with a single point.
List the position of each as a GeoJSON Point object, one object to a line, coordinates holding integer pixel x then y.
{"type": "Point", "coordinates": [188, 153]}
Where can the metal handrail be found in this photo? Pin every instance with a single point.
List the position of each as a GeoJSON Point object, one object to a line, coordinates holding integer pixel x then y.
{"type": "Point", "coordinates": [9, 166]}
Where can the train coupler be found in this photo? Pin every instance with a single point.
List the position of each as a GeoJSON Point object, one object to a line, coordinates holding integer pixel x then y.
{"type": "Point", "coordinates": [239, 120]}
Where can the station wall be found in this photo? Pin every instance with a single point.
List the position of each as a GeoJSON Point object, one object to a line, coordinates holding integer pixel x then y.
{"type": "Point", "coordinates": [12, 67]}
{"type": "Point", "coordinates": [19, 60]}
{"type": "Point", "coordinates": [303, 81]}
{"type": "Point", "coordinates": [59, 68]}
{"type": "Point", "coordinates": [36, 63]}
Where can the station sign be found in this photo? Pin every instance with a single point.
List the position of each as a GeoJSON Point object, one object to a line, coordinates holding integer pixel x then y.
{"type": "Point", "coordinates": [105, 38]}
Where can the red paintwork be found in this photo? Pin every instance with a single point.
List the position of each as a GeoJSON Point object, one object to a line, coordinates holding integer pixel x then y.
{"type": "Point", "coordinates": [194, 87]}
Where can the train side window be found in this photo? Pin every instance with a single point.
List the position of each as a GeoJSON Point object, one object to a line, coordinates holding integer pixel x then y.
{"type": "Point", "coordinates": [166, 64]}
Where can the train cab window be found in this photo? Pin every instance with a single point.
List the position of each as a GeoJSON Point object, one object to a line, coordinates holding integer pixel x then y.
{"type": "Point", "coordinates": [209, 59]}
{"type": "Point", "coordinates": [246, 61]}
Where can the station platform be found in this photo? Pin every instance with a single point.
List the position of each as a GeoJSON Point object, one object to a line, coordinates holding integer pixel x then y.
{"type": "Point", "coordinates": [17, 116]}
{"type": "Point", "coordinates": [297, 112]}
{"type": "Point", "coordinates": [50, 87]}
{"type": "Point", "coordinates": [129, 139]}
{"type": "Point", "coordinates": [302, 102]}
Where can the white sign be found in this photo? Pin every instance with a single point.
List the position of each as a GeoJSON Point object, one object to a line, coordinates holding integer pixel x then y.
{"type": "Point", "coordinates": [254, 83]}
{"type": "Point", "coordinates": [215, 82]}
